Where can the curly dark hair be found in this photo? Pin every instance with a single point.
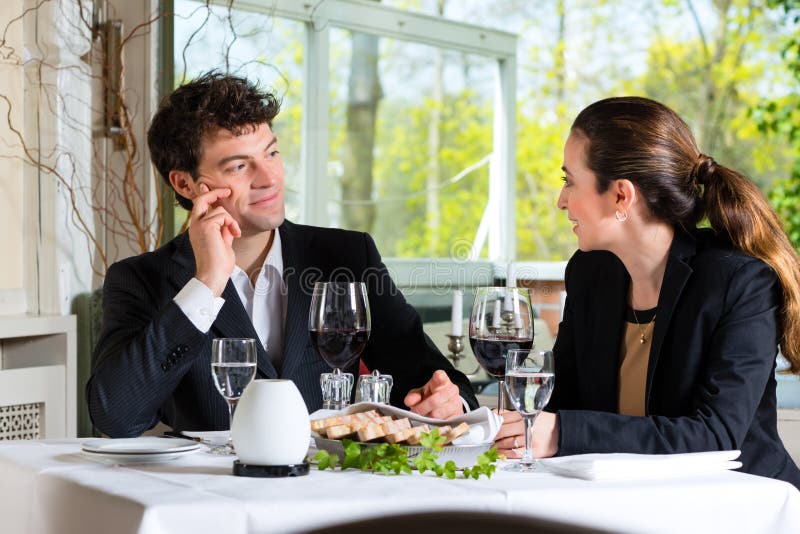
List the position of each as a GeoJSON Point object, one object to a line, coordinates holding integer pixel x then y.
{"type": "Point", "coordinates": [212, 101]}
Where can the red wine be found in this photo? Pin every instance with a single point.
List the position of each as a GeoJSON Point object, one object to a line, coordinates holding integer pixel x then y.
{"type": "Point", "coordinates": [491, 352]}
{"type": "Point", "coordinates": [339, 348]}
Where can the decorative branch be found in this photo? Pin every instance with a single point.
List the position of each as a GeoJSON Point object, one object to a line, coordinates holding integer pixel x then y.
{"type": "Point", "coordinates": [120, 208]}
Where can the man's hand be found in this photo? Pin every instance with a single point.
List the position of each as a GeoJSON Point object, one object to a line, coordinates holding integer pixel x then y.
{"type": "Point", "coordinates": [439, 398]}
{"type": "Point", "coordinates": [211, 232]}
{"type": "Point", "coordinates": [510, 441]}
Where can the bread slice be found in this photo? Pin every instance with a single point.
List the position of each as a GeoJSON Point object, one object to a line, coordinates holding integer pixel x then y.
{"type": "Point", "coordinates": [370, 433]}
{"type": "Point", "coordinates": [320, 425]}
{"type": "Point", "coordinates": [413, 437]}
{"type": "Point", "coordinates": [401, 436]}
{"type": "Point", "coordinates": [340, 431]}
{"type": "Point", "coordinates": [456, 432]}
{"type": "Point", "coordinates": [394, 426]}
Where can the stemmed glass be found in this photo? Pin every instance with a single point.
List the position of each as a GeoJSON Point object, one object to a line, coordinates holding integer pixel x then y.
{"type": "Point", "coordinates": [530, 377]}
{"type": "Point", "coordinates": [233, 366]}
{"type": "Point", "coordinates": [339, 326]}
{"type": "Point", "coordinates": [501, 320]}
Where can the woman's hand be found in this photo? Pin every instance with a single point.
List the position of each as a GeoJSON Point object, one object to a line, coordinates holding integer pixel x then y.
{"type": "Point", "coordinates": [510, 441]}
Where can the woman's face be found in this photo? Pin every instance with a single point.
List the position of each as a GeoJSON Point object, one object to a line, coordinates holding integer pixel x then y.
{"type": "Point", "coordinates": [591, 213]}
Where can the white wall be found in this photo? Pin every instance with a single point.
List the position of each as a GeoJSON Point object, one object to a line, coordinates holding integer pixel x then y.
{"type": "Point", "coordinates": [11, 199]}
{"type": "Point", "coordinates": [58, 107]}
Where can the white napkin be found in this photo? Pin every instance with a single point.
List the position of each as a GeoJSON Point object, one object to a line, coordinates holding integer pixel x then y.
{"type": "Point", "coordinates": [623, 466]}
{"type": "Point", "coordinates": [483, 423]}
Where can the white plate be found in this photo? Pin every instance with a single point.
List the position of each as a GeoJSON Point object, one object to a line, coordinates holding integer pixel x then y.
{"type": "Point", "coordinates": [210, 437]}
{"type": "Point", "coordinates": [142, 446]}
{"type": "Point", "coordinates": [128, 458]}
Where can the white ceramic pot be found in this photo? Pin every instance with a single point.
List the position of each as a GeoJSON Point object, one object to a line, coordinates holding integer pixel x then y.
{"type": "Point", "coordinates": [271, 424]}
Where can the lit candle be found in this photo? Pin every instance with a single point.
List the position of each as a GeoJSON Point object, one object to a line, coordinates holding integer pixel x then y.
{"type": "Point", "coordinates": [517, 314]}
{"type": "Point", "coordinates": [457, 315]}
{"type": "Point", "coordinates": [511, 282]}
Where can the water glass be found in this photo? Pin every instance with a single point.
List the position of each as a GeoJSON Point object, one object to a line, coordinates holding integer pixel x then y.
{"type": "Point", "coordinates": [233, 367]}
{"type": "Point", "coordinates": [374, 387]}
{"type": "Point", "coordinates": [530, 377]}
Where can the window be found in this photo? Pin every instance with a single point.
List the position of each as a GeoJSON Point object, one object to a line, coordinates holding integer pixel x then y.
{"type": "Point", "coordinates": [417, 150]}
{"type": "Point", "coordinates": [410, 144]}
{"type": "Point", "coordinates": [256, 45]}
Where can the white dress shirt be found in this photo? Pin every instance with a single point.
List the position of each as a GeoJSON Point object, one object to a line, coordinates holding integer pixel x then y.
{"type": "Point", "coordinates": [265, 302]}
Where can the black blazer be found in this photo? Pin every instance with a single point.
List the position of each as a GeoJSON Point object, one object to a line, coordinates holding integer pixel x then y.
{"type": "Point", "coordinates": [710, 378]}
{"type": "Point", "coordinates": [152, 364]}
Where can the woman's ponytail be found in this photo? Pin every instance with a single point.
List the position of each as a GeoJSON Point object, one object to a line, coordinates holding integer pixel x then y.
{"type": "Point", "coordinates": [736, 208]}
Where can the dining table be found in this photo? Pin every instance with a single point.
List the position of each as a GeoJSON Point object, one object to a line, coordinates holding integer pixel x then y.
{"type": "Point", "coordinates": [51, 486]}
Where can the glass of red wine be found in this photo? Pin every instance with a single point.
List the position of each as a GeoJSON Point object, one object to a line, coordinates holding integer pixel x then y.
{"type": "Point", "coordinates": [339, 326]}
{"type": "Point", "coordinates": [501, 320]}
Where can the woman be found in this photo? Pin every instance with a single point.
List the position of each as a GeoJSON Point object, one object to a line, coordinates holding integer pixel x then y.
{"type": "Point", "coordinates": [670, 332]}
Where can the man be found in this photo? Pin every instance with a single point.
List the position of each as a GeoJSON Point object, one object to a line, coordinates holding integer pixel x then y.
{"type": "Point", "coordinates": [241, 270]}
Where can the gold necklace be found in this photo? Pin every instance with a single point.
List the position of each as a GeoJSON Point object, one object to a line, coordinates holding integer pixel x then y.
{"type": "Point", "coordinates": [642, 331]}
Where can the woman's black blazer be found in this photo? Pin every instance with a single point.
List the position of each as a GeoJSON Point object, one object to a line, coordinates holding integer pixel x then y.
{"type": "Point", "coordinates": [710, 378]}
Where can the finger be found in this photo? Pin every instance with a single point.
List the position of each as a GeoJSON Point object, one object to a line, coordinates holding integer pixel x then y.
{"type": "Point", "coordinates": [218, 219]}
{"type": "Point", "coordinates": [439, 380]}
{"type": "Point", "coordinates": [234, 228]}
{"type": "Point", "coordinates": [514, 442]}
{"type": "Point", "coordinates": [227, 237]}
{"type": "Point", "coordinates": [230, 223]}
{"type": "Point", "coordinates": [510, 429]}
{"type": "Point", "coordinates": [434, 401]}
{"type": "Point", "coordinates": [446, 411]}
{"type": "Point", "coordinates": [413, 397]}
{"type": "Point", "coordinates": [214, 210]}
{"type": "Point", "coordinates": [220, 216]}
{"type": "Point", "coordinates": [203, 202]}
{"type": "Point", "coordinates": [510, 416]}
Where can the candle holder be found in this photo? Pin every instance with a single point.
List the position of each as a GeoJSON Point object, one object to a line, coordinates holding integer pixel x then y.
{"type": "Point", "coordinates": [456, 347]}
{"type": "Point", "coordinates": [509, 325]}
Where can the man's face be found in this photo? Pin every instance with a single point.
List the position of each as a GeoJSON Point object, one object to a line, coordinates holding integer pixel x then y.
{"type": "Point", "coordinates": [250, 166]}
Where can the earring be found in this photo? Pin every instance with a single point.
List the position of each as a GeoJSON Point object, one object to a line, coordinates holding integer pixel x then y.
{"type": "Point", "coordinates": [621, 216]}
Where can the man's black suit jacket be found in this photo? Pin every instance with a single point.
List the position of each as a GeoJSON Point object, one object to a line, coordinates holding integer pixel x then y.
{"type": "Point", "coordinates": [710, 378]}
{"type": "Point", "coordinates": [152, 364]}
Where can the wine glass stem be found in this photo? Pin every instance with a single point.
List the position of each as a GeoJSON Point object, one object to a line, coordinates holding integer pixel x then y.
{"type": "Point", "coordinates": [231, 409]}
{"type": "Point", "coordinates": [501, 403]}
{"type": "Point", "coordinates": [528, 420]}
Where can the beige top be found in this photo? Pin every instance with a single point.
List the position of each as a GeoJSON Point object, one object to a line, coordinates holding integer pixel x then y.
{"type": "Point", "coordinates": [634, 356]}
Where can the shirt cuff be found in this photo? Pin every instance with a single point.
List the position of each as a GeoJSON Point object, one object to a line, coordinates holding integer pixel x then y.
{"type": "Point", "coordinates": [199, 304]}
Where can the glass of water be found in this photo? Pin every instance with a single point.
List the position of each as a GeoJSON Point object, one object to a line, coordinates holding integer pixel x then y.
{"type": "Point", "coordinates": [233, 366]}
{"type": "Point", "coordinates": [529, 382]}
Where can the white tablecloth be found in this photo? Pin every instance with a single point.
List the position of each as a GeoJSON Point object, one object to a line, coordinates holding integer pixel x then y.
{"type": "Point", "coordinates": [49, 486]}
